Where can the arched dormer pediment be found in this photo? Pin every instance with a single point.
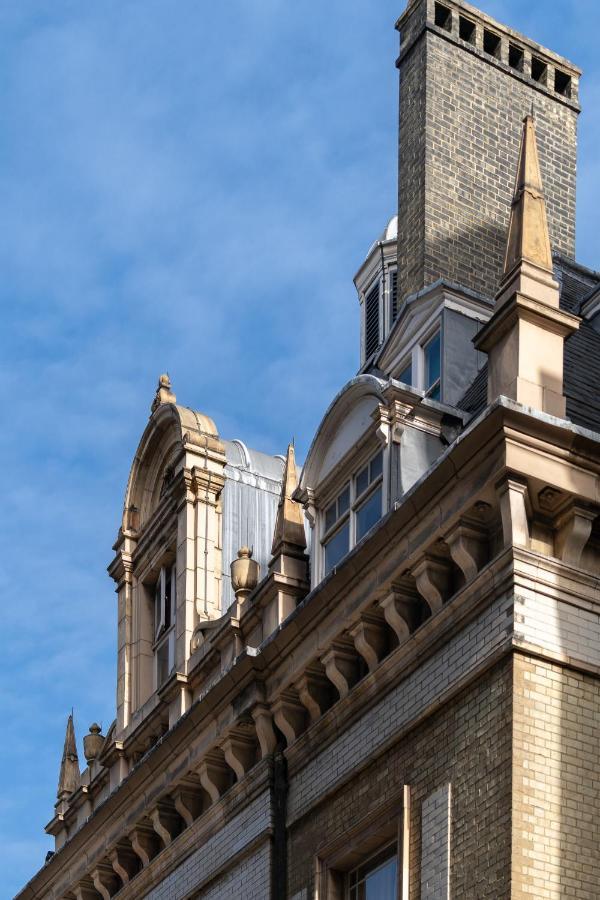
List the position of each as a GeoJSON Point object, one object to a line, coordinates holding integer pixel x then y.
{"type": "Point", "coordinates": [172, 438]}
{"type": "Point", "coordinates": [347, 422]}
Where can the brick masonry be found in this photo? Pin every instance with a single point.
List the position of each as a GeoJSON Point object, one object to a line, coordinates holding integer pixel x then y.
{"type": "Point", "coordinates": [460, 123]}
{"type": "Point", "coordinates": [445, 748]}
{"type": "Point", "coordinates": [435, 845]}
{"type": "Point", "coordinates": [232, 849]}
{"type": "Point", "coordinates": [556, 824]}
{"type": "Point", "coordinates": [403, 704]}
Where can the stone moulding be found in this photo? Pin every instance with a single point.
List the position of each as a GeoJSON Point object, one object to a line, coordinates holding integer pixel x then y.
{"type": "Point", "coordinates": [504, 457]}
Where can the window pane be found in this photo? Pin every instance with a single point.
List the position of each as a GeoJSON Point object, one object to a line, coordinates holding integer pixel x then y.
{"type": "Point", "coordinates": [377, 466]}
{"type": "Point", "coordinates": [344, 501]}
{"type": "Point", "coordinates": [432, 361]}
{"type": "Point", "coordinates": [381, 885]}
{"type": "Point", "coordinates": [330, 516]}
{"type": "Point", "coordinates": [362, 481]}
{"type": "Point", "coordinates": [337, 547]}
{"type": "Point", "coordinates": [435, 395]}
{"type": "Point", "coordinates": [405, 375]}
{"type": "Point", "coordinates": [368, 514]}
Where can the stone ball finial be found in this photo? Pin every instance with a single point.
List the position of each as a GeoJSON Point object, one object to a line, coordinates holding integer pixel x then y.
{"type": "Point", "coordinates": [245, 573]}
{"type": "Point", "coordinates": [164, 380]}
{"type": "Point", "coordinates": [93, 743]}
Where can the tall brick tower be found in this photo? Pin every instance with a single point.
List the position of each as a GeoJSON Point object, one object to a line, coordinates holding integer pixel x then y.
{"type": "Point", "coordinates": [466, 83]}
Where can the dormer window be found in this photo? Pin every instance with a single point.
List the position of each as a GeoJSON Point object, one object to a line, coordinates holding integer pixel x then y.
{"type": "Point", "coordinates": [368, 492]}
{"type": "Point", "coordinates": [355, 510]}
{"type": "Point", "coordinates": [164, 623]}
{"type": "Point", "coordinates": [337, 529]}
{"type": "Point", "coordinates": [432, 355]}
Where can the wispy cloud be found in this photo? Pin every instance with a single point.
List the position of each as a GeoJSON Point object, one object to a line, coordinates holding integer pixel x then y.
{"type": "Point", "coordinates": [189, 189]}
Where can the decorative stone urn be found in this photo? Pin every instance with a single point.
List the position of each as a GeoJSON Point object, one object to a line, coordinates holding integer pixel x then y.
{"type": "Point", "coordinates": [93, 743]}
{"type": "Point", "coordinates": [245, 572]}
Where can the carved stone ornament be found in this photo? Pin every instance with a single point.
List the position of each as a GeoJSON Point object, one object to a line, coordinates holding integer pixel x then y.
{"type": "Point", "coordinates": [245, 573]}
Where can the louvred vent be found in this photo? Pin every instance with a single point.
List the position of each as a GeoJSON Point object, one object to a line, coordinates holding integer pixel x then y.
{"type": "Point", "coordinates": [394, 293]}
{"type": "Point", "coordinates": [372, 321]}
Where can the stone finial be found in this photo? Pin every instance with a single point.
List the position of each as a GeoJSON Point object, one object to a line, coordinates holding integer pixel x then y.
{"type": "Point", "coordinates": [163, 394]}
{"type": "Point", "coordinates": [70, 776]}
{"type": "Point", "coordinates": [245, 572]}
{"type": "Point", "coordinates": [93, 743]}
{"type": "Point", "coordinates": [525, 337]}
{"type": "Point", "coordinates": [289, 525]}
{"type": "Point", "coordinates": [528, 235]}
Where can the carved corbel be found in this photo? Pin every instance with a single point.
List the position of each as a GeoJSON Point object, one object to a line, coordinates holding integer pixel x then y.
{"type": "Point", "coordinates": [144, 842]}
{"type": "Point", "coordinates": [188, 800]}
{"type": "Point", "coordinates": [105, 880]}
{"type": "Point", "coordinates": [125, 862]}
{"type": "Point", "coordinates": [265, 732]}
{"type": "Point", "coordinates": [432, 577]}
{"type": "Point", "coordinates": [573, 529]}
{"type": "Point", "coordinates": [382, 417]}
{"type": "Point", "coordinates": [214, 776]}
{"type": "Point", "coordinates": [85, 890]}
{"type": "Point", "coordinates": [290, 715]}
{"type": "Point", "coordinates": [514, 502]}
{"type": "Point", "coordinates": [341, 666]}
{"type": "Point", "coordinates": [369, 639]}
{"type": "Point", "coordinates": [400, 606]}
{"type": "Point", "coordinates": [165, 821]}
{"type": "Point", "coordinates": [467, 545]}
{"type": "Point", "coordinates": [314, 690]}
{"type": "Point", "coordinates": [239, 749]}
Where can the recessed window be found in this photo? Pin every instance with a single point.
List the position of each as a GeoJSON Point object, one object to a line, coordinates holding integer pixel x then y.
{"type": "Point", "coordinates": [516, 57]}
{"type": "Point", "coordinates": [443, 17]}
{"type": "Point", "coordinates": [337, 529]}
{"type": "Point", "coordinates": [406, 376]}
{"type": "Point", "coordinates": [377, 879]}
{"type": "Point", "coordinates": [491, 43]}
{"type": "Point", "coordinates": [165, 594]}
{"type": "Point", "coordinates": [372, 321]}
{"type": "Point", "coordinates": [432, 353]}
{"type": "Point", "coordinates": [562, 83]}
{"type": "Point", "coordinates": [356, 509]}
{"type": "Point", "coordinates": [539, 70]}
{"type": "Point", "coordinates": [466, 29]}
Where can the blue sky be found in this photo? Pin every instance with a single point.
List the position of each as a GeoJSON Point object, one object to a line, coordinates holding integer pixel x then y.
{"type": "Point", "coordinates": [187, 187]}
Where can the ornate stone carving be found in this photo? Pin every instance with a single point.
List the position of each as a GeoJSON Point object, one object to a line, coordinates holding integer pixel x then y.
{"type": "Point", "coordinates": [264, 729]}
{"type": "Point", "coordinates": [432, 576]}
{"type": "Point", "coordinates": [369, 639]}
{"type": "Point", "coordinates": [290, 715]}
{"type": "Point", "coordinates": [341, 665]}
{"type": "Point", "coordinates": [214, 776]}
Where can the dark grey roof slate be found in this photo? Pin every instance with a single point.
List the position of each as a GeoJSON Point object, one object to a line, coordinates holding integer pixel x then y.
{"type": "Point", "coordinates": [582, 353]}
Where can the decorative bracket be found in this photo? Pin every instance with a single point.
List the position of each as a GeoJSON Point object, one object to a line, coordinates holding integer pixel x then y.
{"type": "Point", "coordinates": [105, 880]}
{"type": "Point", "coordinates": [145, 843]}
{"type": "Point", "coordinates": [341, 666]}
{"type": "Point", "coordinates": [213, 772]}
{"type": "Point", "coordinates": [165, 821]}
{"type": "Point", "coordinates": [369, 639]}
{"type": "Point", "coordinates": [573, 529]}
{"type": "Point", "coordinates": [290, 715]}
{"type": "Point", "coordinates": [432, 576]}
{"type": "Point", "coordinates": [239, 749]}
{"type": "Point", "coordinates": [265, 732]}
{"type": "Point", "coordinates": [314, 690]}
{"type": "Point", "coordinates": [514, 502]}
{"type": "Point", "coordinates": [125, 862]}
{"type": "Point", "coordinates": [467, 545]}
{"type": "Point", "coordinates": [400, 606]}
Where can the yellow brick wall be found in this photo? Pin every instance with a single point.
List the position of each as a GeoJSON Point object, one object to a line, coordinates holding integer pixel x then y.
{"type": "Point", "coordinates": [556, 782]}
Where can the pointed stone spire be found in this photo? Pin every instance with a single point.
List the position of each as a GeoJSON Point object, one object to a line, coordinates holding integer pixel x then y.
{"type": "Point", "coordinates": [70, 776]}
{"type": "Point", "coordinates": [528, 236]}
{"type": "Point", "coordinates": [289, 526]}
{"type": "Point", "coordinates": [525, 337]}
